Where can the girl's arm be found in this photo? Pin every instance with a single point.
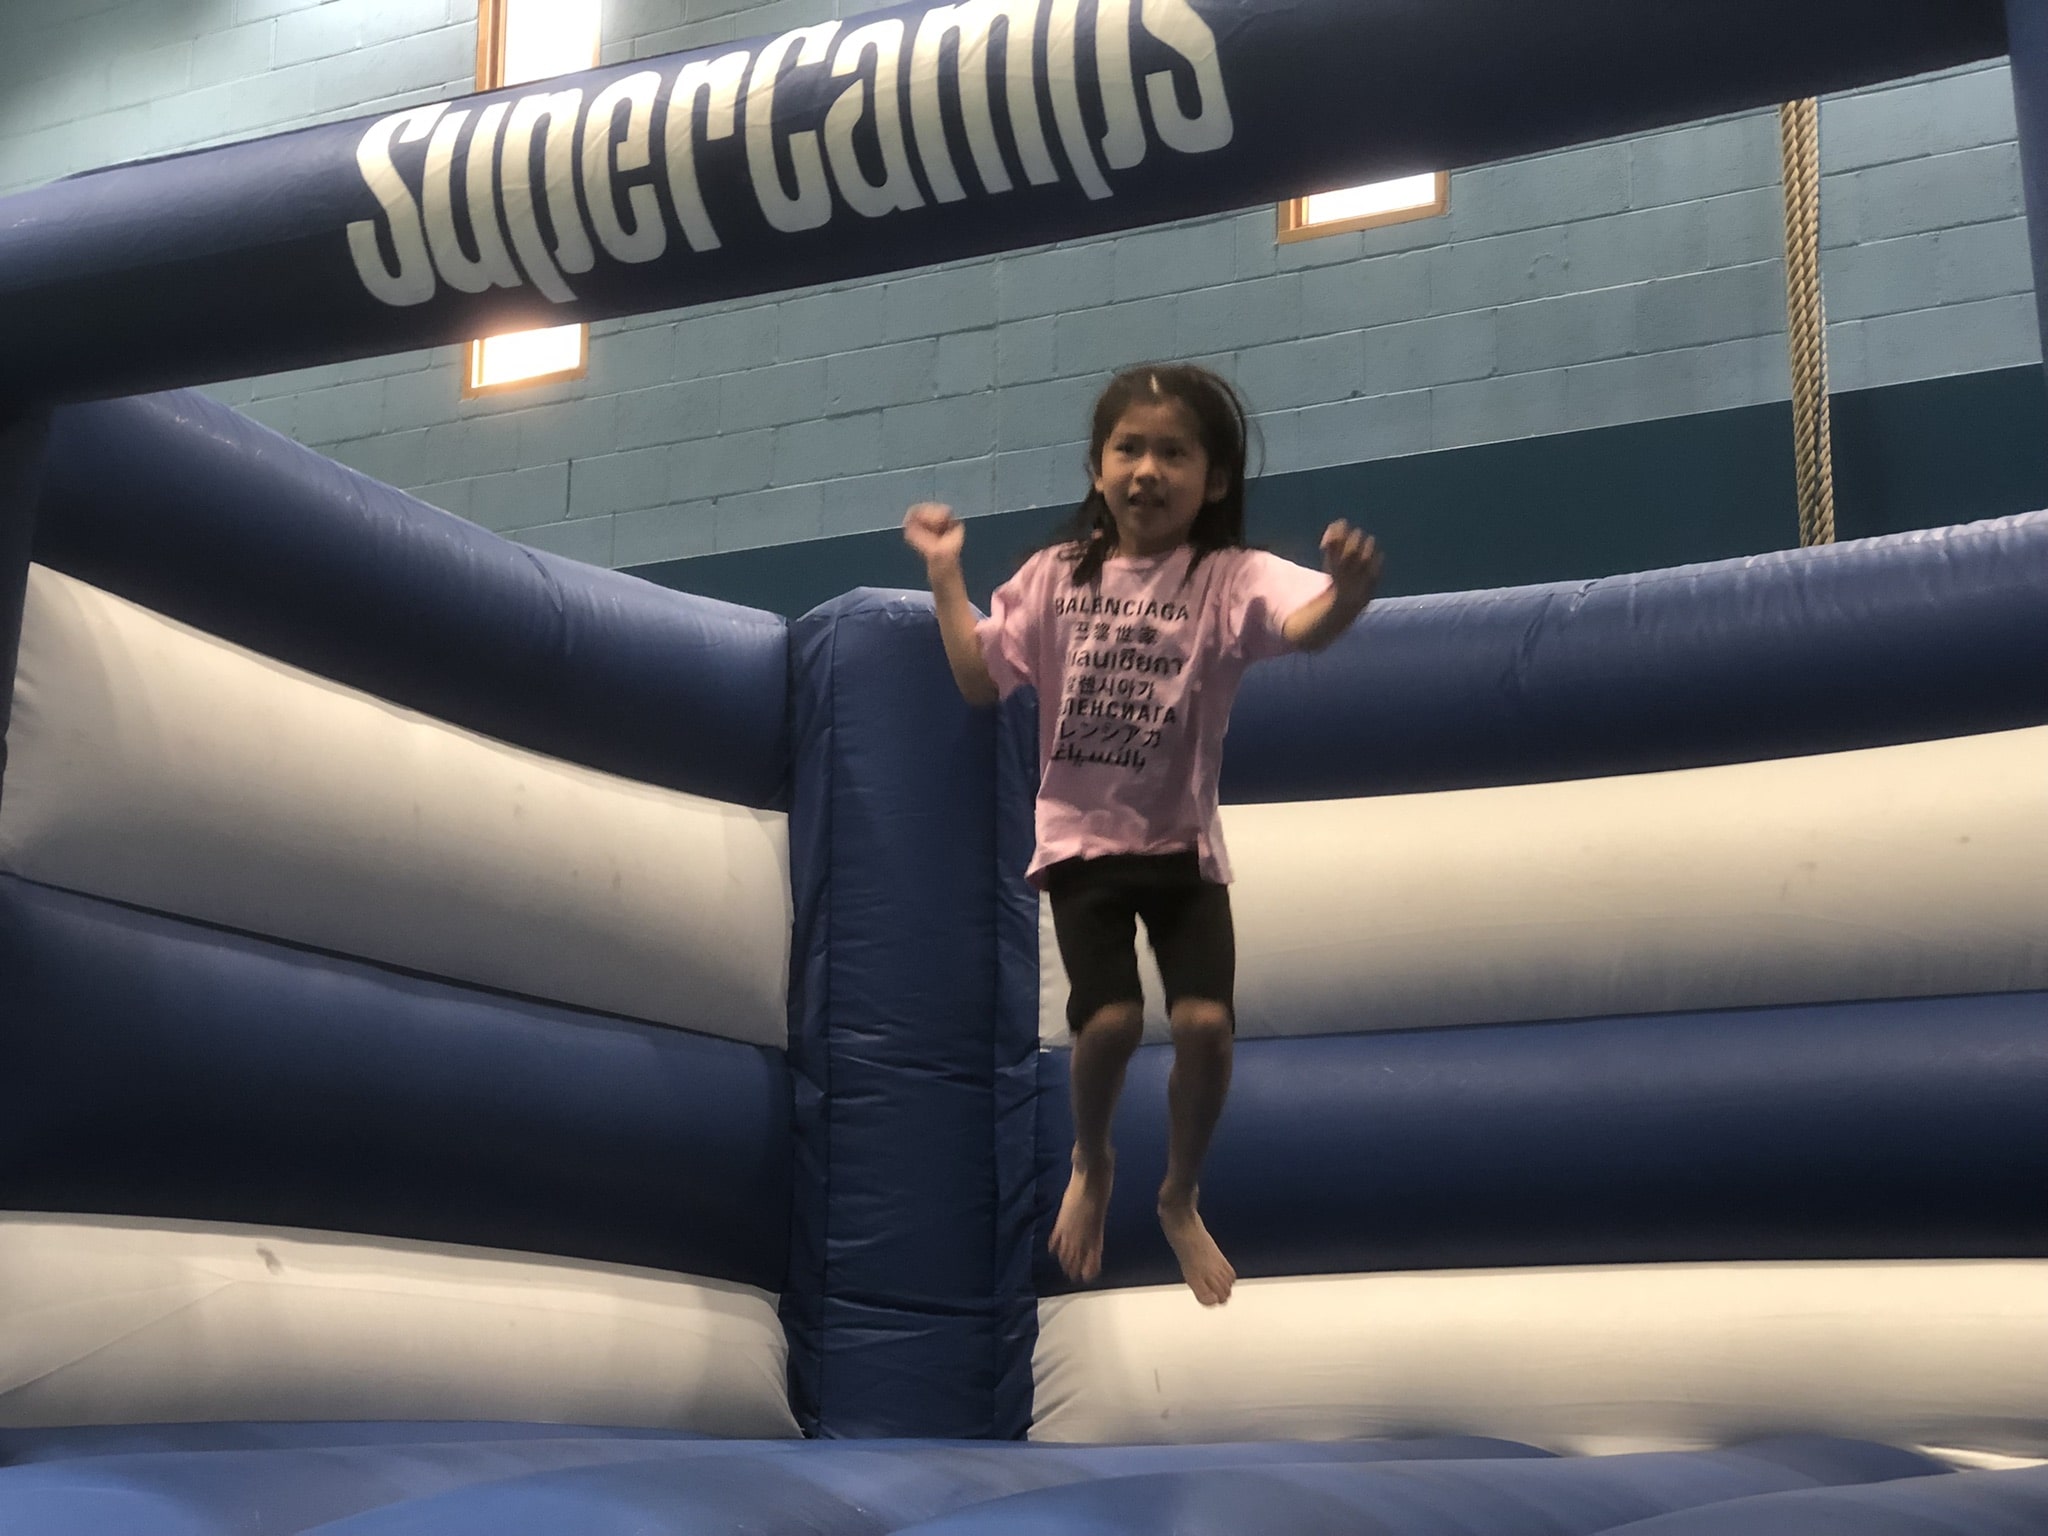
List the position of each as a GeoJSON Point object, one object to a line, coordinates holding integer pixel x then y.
{"type": "Point", "coordinates": [1354, 561]}
{"type": "Point", "coordinates": [936, 534]}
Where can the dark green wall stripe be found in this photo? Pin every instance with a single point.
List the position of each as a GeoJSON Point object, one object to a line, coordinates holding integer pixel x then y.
{"type": "Point", "coordinates": [1558, 508]}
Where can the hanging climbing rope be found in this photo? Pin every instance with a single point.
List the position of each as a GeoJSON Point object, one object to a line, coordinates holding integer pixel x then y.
{"type": "Point", "coordinates": [1807, 321]}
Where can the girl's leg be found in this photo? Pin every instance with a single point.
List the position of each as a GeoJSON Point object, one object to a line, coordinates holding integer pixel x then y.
{"type": "Point", "coordinates": [1202, 1048]}
{"type": "Point", "coordinates": [1102, 1051]}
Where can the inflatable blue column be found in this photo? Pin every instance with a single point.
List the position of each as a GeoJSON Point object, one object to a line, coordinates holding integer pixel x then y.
{"type": "Point", "coordinates": [907, 1306]}
{"type": "Point", "coordinates": [2026, 26]}
{"type": "Point", "coordinates": [23, 434]}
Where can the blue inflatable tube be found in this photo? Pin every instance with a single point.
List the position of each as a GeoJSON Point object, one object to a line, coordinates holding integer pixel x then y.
{"type": "Point", "coordinates": [1848, 1131]}
{"type": "Point", "coordinates": [186, 507]}
{"type": "Point", "coordinates": [1911, 637]}
{"type": "Point", "coordinates": [858, 147]}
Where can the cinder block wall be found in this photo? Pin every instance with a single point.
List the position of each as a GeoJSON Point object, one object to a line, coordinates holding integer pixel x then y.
{"type": "Point", "coordinates": [1611, 283]}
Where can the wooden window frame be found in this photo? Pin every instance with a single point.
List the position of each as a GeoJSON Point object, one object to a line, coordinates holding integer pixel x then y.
{"type": "Point", "coordinates": [490, 76]}
{"type": "Point", "coordinates": [1294, 223]}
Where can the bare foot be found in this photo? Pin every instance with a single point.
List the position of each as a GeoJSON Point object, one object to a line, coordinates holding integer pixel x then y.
{"type": "Point", "coordinates": [1077, 1234]}
{"type": "Point", "coordinates": [1202, 1264]}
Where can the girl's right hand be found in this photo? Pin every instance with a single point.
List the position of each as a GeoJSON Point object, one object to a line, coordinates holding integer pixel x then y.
{"type": "Point", "coordinates": [935, 533]}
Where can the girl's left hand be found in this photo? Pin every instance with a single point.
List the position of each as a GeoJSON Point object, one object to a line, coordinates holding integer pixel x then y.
{"type": "Point", "coordinates": [1353, 559]}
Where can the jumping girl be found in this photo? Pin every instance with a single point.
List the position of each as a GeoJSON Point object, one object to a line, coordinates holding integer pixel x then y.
{"type": "Point", "coordinates": [1135, 630]}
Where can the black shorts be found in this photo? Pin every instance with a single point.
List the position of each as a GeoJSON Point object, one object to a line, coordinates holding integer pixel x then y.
{"type": "Point", "coordinates": [1095, 904]}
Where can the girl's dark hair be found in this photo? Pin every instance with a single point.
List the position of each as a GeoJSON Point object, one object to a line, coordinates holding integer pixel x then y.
{"type": "Point", "coordinates": [1220, 423]}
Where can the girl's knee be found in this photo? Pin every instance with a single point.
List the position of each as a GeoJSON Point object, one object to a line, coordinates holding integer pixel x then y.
{"type": "Point", "coordinates": [1201, 1024]}
{"type": "Point", "coordinates": [1116, 1022]}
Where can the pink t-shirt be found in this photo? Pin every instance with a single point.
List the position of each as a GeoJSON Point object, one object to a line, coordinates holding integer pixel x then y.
{"type": "Point", "coordinates": [1135, 679]}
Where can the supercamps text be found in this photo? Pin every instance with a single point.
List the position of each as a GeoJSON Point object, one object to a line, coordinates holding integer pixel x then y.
{"type": "Point", "coordinates": [805, 168]}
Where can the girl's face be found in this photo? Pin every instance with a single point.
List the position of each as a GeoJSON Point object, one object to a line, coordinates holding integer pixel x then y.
{"type": "Point", "coordinates": [1156, 477]}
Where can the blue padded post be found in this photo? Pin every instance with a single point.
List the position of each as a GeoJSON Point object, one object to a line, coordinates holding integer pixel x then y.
{"type": "Point", "coordinates": [2026, 30]}
{"type": "Point", "coordinates": [906, 1278]}
{"type": "Point", "coordinates": [22, 438]}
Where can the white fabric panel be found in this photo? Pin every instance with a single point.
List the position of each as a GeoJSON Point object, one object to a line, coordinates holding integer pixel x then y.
{"type": "Point", "coordinates": [1910, 871]}
{"type": "Point", "coordinates": [1944, 1354]}
{"type": "Point", "coordinates": [109, 1321]}
{"type": "Point", "coordinates": [156, 765]}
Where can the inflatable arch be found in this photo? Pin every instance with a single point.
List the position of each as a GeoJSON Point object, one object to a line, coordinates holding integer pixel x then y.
{"type": "Point", "coordinates": [490, 1045]}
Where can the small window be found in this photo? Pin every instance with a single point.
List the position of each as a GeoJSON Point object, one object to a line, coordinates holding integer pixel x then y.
{"type": "Point", "coordinates": [518, 41]}
{"type": "Point", "coordinates": [1366, 207]}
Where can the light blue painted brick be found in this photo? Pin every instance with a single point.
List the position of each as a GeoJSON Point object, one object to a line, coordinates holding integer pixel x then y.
{"type": "Point", "coordinates": [1255, 240]}
{"type": "Point", "coordinates": [1637, 246]}
{"type": "Point", "coordinates": [871, 503]}
{"type": "Point", "coordinates": [429, 61]}
{"type": "Point", "coordinates": [660, 533]}
{"type": "Point", "coordinates": [396, 458]}
{"type": "Point", "coordinates": [141, 77]}
{"type": "Point", "coordinates": [588, 539]}
{"type": "Point", "coordinates": [823, 323]}
{"type": "Point", "coordinates": [1051, 476]}
{"type": "Point", "coordinates": [232, 54]}
{"type": "Point", "coordinates": [966, 362]}
{"type": "Point", "coordinates": [317, 33]}
{"type": "Point", "coordinates": [1102, 340]}
{"type": "Point", "coordinates": [1497, 410]}
{"type": "Point", "coordinates": [723, 341]}
{"type": "Point", "coordinates": [1024, 350]}
{"type": "Point", "coordinates": [1957, 338]}
{"type": "Point", "coordinates": [763, 397]}
{"type": "Point", "coordinates": [1542, 190]}
{"type": "Point", "coordinates": [720, 466]}
{"type": "Point", "coordinates": [1748, 371]}
{"type": "Point", "coordinates": [424, 397]}
{"type": "Point", "coordinates": [263, 10]}
{"type": "Point", "coordinates": [343, 412]}
{"type": "Point", "coordinates": [521, 498]}
{"type": "Point", "coordinates": [1923, 117]}
{"type": "Point", "coordinates": [1035, 415]}
{"type": "Point", "coordinates": [966, 485]}
{"type": "Point", "coordinates": [387, 20]}
{"type": "Point", "coordinates": [933, 303]}
{"type": "Point", "coordinates": [1374, 427]}
{"type": "Point", "coordinates": [698, 34]}
{"type": "Point", "coordinates": [1741, 228]}
{"type": "Point", "coordinates": [1705, 160]}
{"type": "Point", "coordinates": [571, 429]}
{"type": "Point", "coordinates": [1297, 373]}
{"type": "Point", "coordinates": [935, 431]}
{"type": "Point", "coordinates": [1626, 389]}
{"type": "Point", "coordinates": [668, 412]}
{"type": "Point", "coordinates": [1506, 269]}
{"type": "Point", "coordinates": [1577, 328]}
{"type": "Point", "coordinates": [1848, 357]}
{"type": "Point", "coordinates": [1703, 307]}
{"type": "Point", "coordinates": [1885, 277]}
{"type": "Point", "coordinates": [892, 375]}
{"type": "Point", "coordinates": [827, 449]}
{"type": "Point", "coordinates": [632, 19]}
{"type": "Point", "coordinates": [1983, 261]}
{"type": "Point", "coordinates": [1067, 277]}
{"type": "Point", "coordinates": [453, 496]}
{"type": "Point", "coordinates": [1172, 260]}
{"type": "Point", "coordinates": [484, 442]}
{"type": "Point", "coordinates": [1322, 251]}
{"type": "Point", "coordinates": [1238, 315]}
{"type": "Point", "coordinates": [1351, 297]}
{"type": "Point", "coordinates": [618, 482]}
{"type": "Point", "coordinates": [1275, 443]}
{"type": "Point", "coordinates": [1440, 350]}
{"type": "Point", "coordinates": [781, 516]}
{"type": "Point", "coordinates": [1907, 197]}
